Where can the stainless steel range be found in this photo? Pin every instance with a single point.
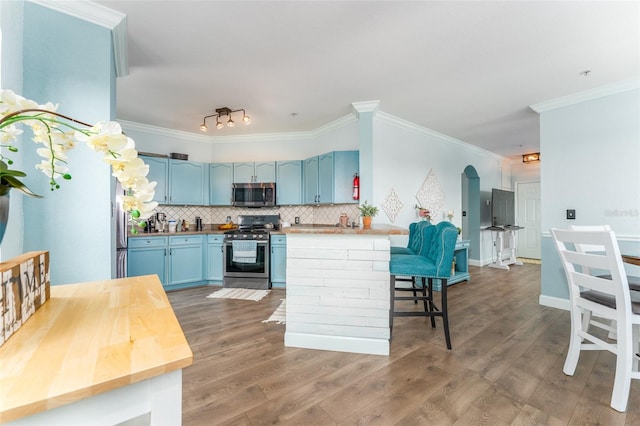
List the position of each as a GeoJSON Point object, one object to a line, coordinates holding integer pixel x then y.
{"type": "Point", "coordinates": [246, 252]}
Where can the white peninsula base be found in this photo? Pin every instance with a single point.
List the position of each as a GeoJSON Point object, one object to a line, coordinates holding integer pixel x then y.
{"type": "Point", "coordinates": [338, 292]}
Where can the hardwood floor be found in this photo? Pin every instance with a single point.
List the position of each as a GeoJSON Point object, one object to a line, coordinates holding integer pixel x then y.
{"type": "Point", "coordinates": [505, 366]}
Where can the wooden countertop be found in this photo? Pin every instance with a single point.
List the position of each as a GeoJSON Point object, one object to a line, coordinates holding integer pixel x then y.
{"type": "Point", "coordinates": [87, 339]}
{"type": "Point", "coordinates": [327, 229]}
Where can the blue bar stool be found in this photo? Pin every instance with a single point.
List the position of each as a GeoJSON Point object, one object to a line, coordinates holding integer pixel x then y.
{"type": "Point", "coordinates": [432, 262]}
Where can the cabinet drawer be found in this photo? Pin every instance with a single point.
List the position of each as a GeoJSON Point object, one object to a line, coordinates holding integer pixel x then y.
{"type": "Point", "coordinates": [462, 244]}
{"type": "Point", "coordinates": [137, 242]}
{"type": "Point", "coordinates": [185, 240]}
{"type": "Point", "coordinates": [278, 239]}
{"type": "Point", "coordinates": [215, 238]}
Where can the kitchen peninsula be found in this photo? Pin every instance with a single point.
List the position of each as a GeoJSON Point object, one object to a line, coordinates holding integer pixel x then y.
{"type": "Point", "coordinates": [99, 352]}
{"type": "Point", "coordinates": [338, 288]}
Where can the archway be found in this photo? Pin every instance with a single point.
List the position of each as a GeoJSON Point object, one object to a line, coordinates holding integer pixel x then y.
{"type": "Point", "coordinates": [471, 211]}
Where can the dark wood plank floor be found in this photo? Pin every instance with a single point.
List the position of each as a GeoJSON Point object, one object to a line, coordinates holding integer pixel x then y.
{"type": "Point", "coordinates": [505, 366]}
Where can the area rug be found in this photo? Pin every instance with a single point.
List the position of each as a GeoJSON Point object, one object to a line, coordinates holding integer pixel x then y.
{"type": "Point", "coordinates": [278, 316]}
{"type": "Point", "coordinates": [239, 293]}
{"type": "Point", "coordinates": [526, 260]}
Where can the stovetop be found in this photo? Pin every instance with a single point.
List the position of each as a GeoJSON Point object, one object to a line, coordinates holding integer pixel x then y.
{"type": "Point", "coordinates": [255, 234]}
{"type": "Point", "coordinates": [253, 227]}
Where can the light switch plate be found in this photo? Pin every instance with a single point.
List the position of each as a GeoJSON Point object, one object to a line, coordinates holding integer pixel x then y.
{"type": "Point", "coordinates": [571, 214]}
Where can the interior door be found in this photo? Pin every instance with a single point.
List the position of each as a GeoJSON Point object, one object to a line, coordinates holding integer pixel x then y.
{"type": "Point", "coordinates": [528, 216]}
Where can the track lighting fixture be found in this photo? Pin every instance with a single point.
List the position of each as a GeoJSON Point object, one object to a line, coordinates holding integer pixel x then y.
{"type": "Point", "coordinates": [224, 111]}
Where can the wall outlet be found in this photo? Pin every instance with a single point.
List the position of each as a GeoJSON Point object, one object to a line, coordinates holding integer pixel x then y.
{"type": "Point", "coordinates": [571, 214]}
{"type": "Point", "coordinates": [297, 220]}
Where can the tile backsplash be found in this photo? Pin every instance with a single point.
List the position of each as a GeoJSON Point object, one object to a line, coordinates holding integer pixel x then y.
{"type": "Point", "coordinates": [325, 215]}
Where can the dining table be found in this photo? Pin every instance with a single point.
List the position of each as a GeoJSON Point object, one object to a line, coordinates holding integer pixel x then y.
{"type": "Point", "coordinates": [633, 259]}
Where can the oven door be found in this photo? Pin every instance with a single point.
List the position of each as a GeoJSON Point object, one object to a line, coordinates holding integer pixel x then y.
{"type": "Point", "coordinates": [257, 269]}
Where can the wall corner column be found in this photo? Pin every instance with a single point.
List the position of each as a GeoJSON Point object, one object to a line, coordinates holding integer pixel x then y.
{"type": "Point", "coordinates": [365, 112]}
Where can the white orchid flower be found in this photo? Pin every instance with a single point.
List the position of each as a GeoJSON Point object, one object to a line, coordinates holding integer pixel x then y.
{"type": "Point", "coordinates": [54, 171]}
{"type": "Point", "coordinates": [104, 137]}
{"type": "Point", "coordinates": [9, 134]}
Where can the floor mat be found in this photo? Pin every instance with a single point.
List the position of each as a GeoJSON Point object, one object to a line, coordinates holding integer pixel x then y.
{"type": "Point", "coordinates": [239, 293]}
{"type": "Point", "coordinates": [279, 316]}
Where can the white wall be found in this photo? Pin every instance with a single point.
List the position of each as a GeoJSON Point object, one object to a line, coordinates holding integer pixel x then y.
{"type": "Point", "coordinates": [590, 163]}
{"type": "Point", "coordinates": [403, 156]}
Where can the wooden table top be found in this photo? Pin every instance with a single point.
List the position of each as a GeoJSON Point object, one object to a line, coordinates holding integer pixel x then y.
{"type": "Point", "coordinates": [375, 229]}
{"type": "Point", "coordinates": [87, 339]}
{"type": "Point", "coordinates": [632, 259]}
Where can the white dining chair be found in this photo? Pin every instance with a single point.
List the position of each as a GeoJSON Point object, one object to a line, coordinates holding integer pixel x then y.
{"type": "Point", "coordinates": [594, 298]}
{"type": "Point", "coordinates": [634, 282]}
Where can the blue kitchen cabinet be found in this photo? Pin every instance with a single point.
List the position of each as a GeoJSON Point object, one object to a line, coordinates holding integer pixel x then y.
{"type": "Point", "coordinates": [187, 183]}
{"type": "Point", "coordinates": [215, 259]}
{"type": "Point", "coordinates": [147, 256]}
{"type": "Point", "coordinates": [289, 182]}
{"type": "Point", "coordinates": [254, 172]}
{"type": "Point", "coordinates": [328, 177]}
{"type": "Point", "coordinates": [158, 172]}
{"type": "Point", "coordinates": [278, 260]}
{"type": "Point", "coordinates": [310, 169]}
{"type": "Point", "coordinates": [185, 260]}
{"type": "Point", "coordinates": [325, 178]}
{"type": "Point", "coordinates": [178, 181]}
{"type": "Point", "coordinates": [220, 181]}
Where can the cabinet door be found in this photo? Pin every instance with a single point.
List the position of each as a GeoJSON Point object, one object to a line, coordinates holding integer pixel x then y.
{"type": "Point", "coordinates": [215, 259]}
{"type": "Point", "coordinates": [242, 172]}
{"type": "Point", "coordinates": [220, 181]}
{"type": "Point", "coordinates": [187, 183]}
{"type": "Point", "coordinates": [310, 180]}
{"type": "Point", "coordinates": [289, 183]}
{"type": "Point", "coordinates": [147, 261]}
{"type": "Point", "coordinates": [325, 178]}
{"type": "Point", "coordinates": [278, 264]}
{"type": "Point", "coordinates": [158, 172]}
{"type": "Point", "coordinates": [345, 165]}
{"type": "Point", "coordinates": [265, 171]}
{"type": "Point", "coordinates": [185, 264]}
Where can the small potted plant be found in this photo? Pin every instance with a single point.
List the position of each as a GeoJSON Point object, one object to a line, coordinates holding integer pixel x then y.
{"type": "Point", "coordinates": [367, 212]}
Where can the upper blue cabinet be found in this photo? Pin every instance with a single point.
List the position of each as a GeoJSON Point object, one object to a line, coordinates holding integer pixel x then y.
{"type": "Point", "coordinates": [220, 181]}
{"type": "Point", "coordinates": [289, 182]}
{"type": "Point", "coordinates": [187, 183]}
{"type": "Point", "coordinates": [179, 181]}
{"type": "Point", "coordinates": [254, 172]}
{"type": "Point", "coordinates": [328, 177]}
{"type": "Point", "coordinates": [159, 172]}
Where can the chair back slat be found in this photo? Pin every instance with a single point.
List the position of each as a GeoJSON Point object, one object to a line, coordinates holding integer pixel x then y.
{"type": "Point", "coordinates": [580, 266]}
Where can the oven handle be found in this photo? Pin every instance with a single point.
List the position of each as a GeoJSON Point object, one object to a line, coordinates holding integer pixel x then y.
{"type": "Point", "coordinates": [264, 242]}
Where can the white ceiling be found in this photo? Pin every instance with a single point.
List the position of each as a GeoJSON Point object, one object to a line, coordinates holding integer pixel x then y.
{"type": "Point", "coordinates": [466, 69]}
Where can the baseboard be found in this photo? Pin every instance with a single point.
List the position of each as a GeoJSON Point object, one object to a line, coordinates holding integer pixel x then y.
{"type": "Point", "coordinates": [357, 345]}
{"type": "Point", "coordinates": [555, 302]}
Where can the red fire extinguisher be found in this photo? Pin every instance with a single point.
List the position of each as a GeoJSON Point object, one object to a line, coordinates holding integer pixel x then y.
{"type": "Point", "coordinates": [356, 187]}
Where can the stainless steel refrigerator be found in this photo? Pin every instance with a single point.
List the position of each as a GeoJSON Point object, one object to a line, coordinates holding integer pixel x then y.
{"type": "Point", "coordinates": [121, 234]}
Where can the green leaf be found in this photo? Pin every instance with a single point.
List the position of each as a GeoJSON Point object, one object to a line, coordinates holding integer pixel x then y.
{"type": "Point", "coordinates": [15, 183]}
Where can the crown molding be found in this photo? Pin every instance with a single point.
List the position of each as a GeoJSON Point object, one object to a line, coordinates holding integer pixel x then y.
{"type": "Point", "coordinates": [587, 95]}
{"type": "Point", "coordinates": [368, 106]}
{"type": "Point", "coordinates": [263, 137]}
{"type": "Point", "coordinates": [162, 131]}
{"type": "Point", "coordinates": [407, 125]}
{"type": "Point", "coordinates": [100, 15]}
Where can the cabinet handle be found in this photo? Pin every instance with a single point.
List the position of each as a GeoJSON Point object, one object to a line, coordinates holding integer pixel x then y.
{"type": "Point", "coordinates": [165, 252]}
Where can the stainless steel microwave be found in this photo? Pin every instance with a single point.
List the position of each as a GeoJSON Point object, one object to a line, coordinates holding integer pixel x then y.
{"type": "Point", "coordinates": [254, 194]}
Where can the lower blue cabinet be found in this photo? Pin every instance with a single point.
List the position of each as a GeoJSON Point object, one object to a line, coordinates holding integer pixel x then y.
{"type": "Point", "coordinates": [215, 259]}
{"type": "Point", "coordinates": [147, 256]}
{"type": "Point", "coordinates": [185, 259]}
{"type": "Point", "coordinates": [178, 260]}
{"type": "Point", "coordinates": [278, 260]}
